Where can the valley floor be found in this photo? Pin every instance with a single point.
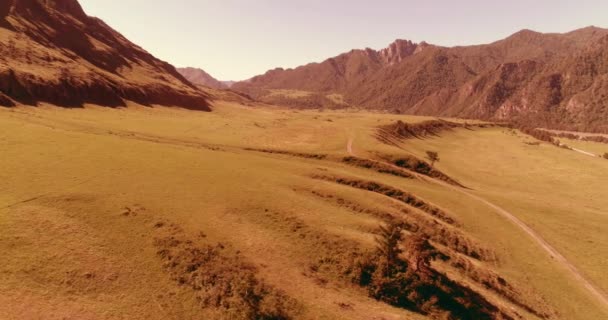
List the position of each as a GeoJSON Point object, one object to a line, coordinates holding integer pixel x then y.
{"type": "Point", "coordinates": [103, 210]}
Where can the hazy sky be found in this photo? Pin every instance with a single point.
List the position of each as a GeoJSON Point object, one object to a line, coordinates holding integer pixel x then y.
{"type": "Point", "coordinates": [237, 39]}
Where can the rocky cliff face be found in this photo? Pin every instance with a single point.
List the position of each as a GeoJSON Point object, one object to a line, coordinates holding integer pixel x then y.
{"type": "Point", "coordinates": [51, 51]}
{"type": "Point", "coordinates": [397, 51]}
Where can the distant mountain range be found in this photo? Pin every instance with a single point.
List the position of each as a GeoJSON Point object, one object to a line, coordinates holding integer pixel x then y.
{"type": "Point", "coordinates": [552, 80]}
{"type": "Point", "coordinates": [51, 51]}
{"type": "Point", "coordinates": [200, 77]}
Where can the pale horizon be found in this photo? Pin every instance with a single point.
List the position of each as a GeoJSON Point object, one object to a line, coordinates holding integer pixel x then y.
{"type": "Point", "coordinates": [236, 40]}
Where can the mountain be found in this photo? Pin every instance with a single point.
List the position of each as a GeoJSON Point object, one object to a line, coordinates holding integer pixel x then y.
{"type": "Point", "coordinates": [200, 77]}
{"type": "Point", "coordinates": [336, 74]}
{"type": "Point", "coordinates": [552, 80]}
{"type": "Point", "coordinates": [51, 51]}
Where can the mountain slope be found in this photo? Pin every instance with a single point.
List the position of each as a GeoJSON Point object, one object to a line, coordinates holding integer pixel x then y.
{"type": "Point", "coordinates": [565, 91]}
{"type": "Point", "coordinates": [336, 74]}
{"type": "Point", "coordinates": [553, 80]}
{"type": "Point", "coordinates": [200, 77]}
{"type": "Point", "coordinates": [51, 51]}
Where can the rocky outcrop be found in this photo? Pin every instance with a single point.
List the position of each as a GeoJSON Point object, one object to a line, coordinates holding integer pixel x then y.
{"type": "Point", "coordinates": [397, 51]}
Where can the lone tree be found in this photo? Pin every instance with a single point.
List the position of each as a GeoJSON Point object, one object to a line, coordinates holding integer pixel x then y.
{"type": "Point", "coordinates": [387, 244]}
{"type": "Point", "coordinates": [433, 157]}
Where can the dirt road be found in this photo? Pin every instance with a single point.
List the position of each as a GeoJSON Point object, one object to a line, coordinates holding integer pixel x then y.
{"type": "Point", "coordinates": [559, 258]}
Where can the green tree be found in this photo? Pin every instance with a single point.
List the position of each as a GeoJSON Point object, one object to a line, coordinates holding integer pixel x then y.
{"type": "Point", "coordinates": [387, 244]}
{"type": "Point", "coordinates": [433, 157]}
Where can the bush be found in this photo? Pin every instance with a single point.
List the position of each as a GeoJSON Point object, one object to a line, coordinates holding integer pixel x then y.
{"type": "Point", "coordinates": [377, 166]}
{"type": "Point", "coordinates": [221, 280]}
{"type": "Point", "coordinates": [606, 155]}
{"type": "Point", "coordinates": [414, 164]}
{"type": "Point", "coordinates": [419, 166]}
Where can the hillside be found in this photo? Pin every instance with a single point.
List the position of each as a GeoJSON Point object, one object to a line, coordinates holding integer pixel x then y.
{"type": "Point", "coordinates": [200, 77]}
{"type": "Point", "coordinates": [270, 213]}
{"type": "Point", "coordinates": [553, 80]}
{"type": "Point", "coordinates": [51, 51]}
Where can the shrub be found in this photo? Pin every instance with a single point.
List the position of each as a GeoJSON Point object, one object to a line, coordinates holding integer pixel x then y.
{"type": "Point", "coordinates": [377, 166]}
{"type": "Point", "coordinates": [606, 155]}
{"type": "Point", "coordinates": [221, 280]}
{"type": "Point", "coordinates": [414, 164]}
{"type": "Point", "coordinates": [419, 166]}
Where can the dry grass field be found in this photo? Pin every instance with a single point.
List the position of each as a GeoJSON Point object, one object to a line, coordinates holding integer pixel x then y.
{"type": "Point", "coordinates": [119, 214]}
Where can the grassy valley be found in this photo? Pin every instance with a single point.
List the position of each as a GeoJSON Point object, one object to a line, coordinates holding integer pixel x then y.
{"type": "Point", "coordinates": [103, 209]}
{"type": "Point", "coordinates": [130, 189]}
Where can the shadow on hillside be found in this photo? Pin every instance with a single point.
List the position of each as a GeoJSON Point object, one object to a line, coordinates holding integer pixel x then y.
{"type": "Point", "coordinates": [71, 92]}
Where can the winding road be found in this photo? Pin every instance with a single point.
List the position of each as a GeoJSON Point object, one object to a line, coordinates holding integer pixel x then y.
{"type": "Point", "coordinates": [558, 257]}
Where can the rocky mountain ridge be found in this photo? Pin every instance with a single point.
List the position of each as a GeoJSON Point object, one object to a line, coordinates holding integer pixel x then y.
{"type": "Point", "coordinates": [551, 80]}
